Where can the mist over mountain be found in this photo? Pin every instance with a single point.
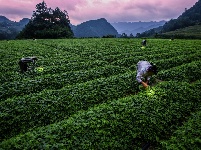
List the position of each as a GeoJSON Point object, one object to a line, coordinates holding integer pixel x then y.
{"type": "Point", "coordinates": [136, 27]}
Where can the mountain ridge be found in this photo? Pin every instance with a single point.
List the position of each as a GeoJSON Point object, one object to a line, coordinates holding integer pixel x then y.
{"type": "Point", "coordinates": [190, 17]}
{"type": "Point", "coordinates": [9, 29]}
{"type": "Point", "coordinates": [94, 28]}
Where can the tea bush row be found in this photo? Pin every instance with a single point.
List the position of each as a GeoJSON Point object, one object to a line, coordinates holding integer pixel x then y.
{"type": "Point", "coordinates": [125, 123]}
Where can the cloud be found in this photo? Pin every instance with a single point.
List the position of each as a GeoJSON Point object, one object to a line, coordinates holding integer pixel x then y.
{"type": "Point", "coordinates": [131, 10]}
{"type": "Point", "coordinates": [113, 10]}
{"type": "Point", "coordinates": [16, 9]}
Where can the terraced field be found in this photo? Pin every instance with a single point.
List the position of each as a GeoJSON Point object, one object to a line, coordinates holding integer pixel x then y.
{"type": "Point", "coordinates": [87, 96]}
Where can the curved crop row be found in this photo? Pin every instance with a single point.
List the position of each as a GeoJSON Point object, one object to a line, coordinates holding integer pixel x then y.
{"type": "Point", "coordinates": [21, 113]}
{"type": "Point", "coordinates": [120, 124]}
{"type": "Point", "coordinates": [60, 80]}
{"type": "Point", "coordinates": [188, 72]}
{"type": "Point", "coordinates": [187, 136]}
{"type": "Point", "coordinates": [123, 55]}
{"type": "Point", "coordinates": [73, 66]}
{"type": "Point", "coordinates": [127, 62]}
{"type": "Point", "coordinates": [176, 61]}
{"type": "Point", "coordinates": [106, 92]}
{"type": "Point", "coordinates": [57, 81]}
{"type": "Point", "coordinates": [8, 75]}
{"type": "Point", "coordinates": [165, 64]}
{"type": "Point", "coordinates": [20, 79]}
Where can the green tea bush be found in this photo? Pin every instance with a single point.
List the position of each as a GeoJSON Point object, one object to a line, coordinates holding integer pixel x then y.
{"type": "Point", "coordinates": [125, 123]}
{"type": "Point", "coordinates": [188, 136]}
{"type": "Point", "coordinates": [56, 81]}
{"type": "Point", "coordinates": [24, 112]}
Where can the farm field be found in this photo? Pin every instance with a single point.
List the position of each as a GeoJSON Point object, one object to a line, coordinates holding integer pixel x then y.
{"type": "Point", "coordinates": [87, 96]}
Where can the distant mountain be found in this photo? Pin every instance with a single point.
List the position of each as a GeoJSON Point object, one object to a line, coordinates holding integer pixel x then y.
{"type": "Point", "coordinates": [136, 27]}
{"type": "Point", "coordinates": [189, 17]}
{"type": "Point", "coordinates": [94, 28]}
{"type": "Point", "coordinates": [9, 29]}
{"type": "Point", "coordinates": [4, 19]}
{"type": "Point", "coordinates": [24, 21]}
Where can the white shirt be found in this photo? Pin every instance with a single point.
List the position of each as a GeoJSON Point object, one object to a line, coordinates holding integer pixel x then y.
{"type": "Point", "coordinates": [142, 71]}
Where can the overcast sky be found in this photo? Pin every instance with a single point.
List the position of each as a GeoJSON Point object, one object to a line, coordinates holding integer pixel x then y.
{"type": "Point", "coordinates": [112, 10]}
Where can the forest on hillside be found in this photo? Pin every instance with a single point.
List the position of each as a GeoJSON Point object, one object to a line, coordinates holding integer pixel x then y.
{"type": "Point", "coordinates": [189, 17]}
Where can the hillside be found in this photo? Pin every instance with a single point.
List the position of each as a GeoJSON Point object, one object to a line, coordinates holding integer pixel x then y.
{"type": "Point", "coordinates": [94, 28]}
{"type": "Point", "coordinates": [4, 19]}
{"type": "Point", "coordinates": [189, 17]}
{"type": "Point", "coordinates": [9, 29]}
{"type": "Point", "coordinates": [191, 32]}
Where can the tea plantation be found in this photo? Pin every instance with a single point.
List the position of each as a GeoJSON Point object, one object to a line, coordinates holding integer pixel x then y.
{"type": "Point", "coordinates": [85, 95]}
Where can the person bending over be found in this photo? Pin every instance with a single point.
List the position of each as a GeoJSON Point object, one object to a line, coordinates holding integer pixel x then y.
{"type": "Point", "coordinates": [23, 63]}
{"type": "Point", "coordinates": [145, 70]}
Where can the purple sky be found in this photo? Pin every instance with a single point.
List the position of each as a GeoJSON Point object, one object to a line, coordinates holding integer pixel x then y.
{"type": "Point", "coordinates": [112, 10]}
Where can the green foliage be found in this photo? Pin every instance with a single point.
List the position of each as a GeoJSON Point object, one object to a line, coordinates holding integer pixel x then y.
{"type": "Point", "coordinates": [191, 32]}
{"type": "Point", "coordinates": [47, 23]}
{"type": "Point", "coordinates": [87, 96]}
{"type": "Point", "coordinates": [187, 72]}
{"type": "Point", "coordinates": [120, 124]}
{"type": "Point", "coordinates": [58, 80]}
{"type": "Point", "coordinates": [61, 103]}
{"type": "Point", "coordinates": [187, 136]}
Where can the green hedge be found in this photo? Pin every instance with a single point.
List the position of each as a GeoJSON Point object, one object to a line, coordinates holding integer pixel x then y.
{"type": "Point", "coordinates": [24, 112]}
{"type": "Point", "coordinates": [176, 61]}
{"type": "Point", "coordinates": [188, 136]}
{"type": "Point", "coordinates": [164, 64]}
{"type": "Point", "coordinates": [125, 123]}
{"type": "Point", "coordinates": [127, 62]}
{"type": "Point", "coordinates": [18, 106]}
{"type": "Point", "coordinates": [11, 74]}
{"type": "Point", "coordinates": [73, 66]}
{"type": "Point", "coordinates": [56, 81]}
{"type": "Point", "coordinates": [188, 72]}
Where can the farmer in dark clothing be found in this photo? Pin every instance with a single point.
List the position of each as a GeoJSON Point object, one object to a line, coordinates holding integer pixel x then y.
{"type": "Point", "coordinates": [23, 63]}
{"type": "Point", "coordinates": [144, 42]}
{"type": "Point", "coordinates": [145, 70]}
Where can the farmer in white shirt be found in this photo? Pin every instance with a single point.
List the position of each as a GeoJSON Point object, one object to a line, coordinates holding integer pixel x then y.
{"type": "Point", "coordinates": [145, 70]}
